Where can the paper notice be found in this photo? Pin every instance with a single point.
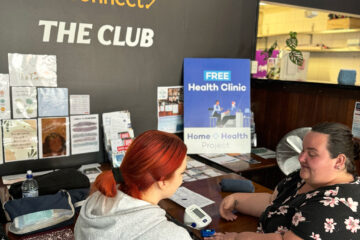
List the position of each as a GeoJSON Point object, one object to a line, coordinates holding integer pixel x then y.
{"type": "Point", "coordinates": [79, 104]}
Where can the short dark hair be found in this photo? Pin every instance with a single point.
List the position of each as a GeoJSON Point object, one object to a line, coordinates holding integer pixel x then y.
{"type": "Point", "coordinates": [340, 141]}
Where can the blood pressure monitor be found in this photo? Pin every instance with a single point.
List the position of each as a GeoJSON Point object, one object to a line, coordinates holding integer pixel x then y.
{"type": "Point", "coordinates": [195, 217]}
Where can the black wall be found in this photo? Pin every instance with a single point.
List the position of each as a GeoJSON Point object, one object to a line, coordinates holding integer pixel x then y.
{"type": "Point", "coordinates": [122, 77]}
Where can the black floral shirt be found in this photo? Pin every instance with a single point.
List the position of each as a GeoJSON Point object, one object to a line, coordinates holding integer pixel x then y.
{"type": "Point", "coordinates": [330, 212]}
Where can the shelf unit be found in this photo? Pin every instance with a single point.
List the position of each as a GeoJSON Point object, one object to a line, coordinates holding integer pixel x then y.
{"type": "Point", "coordinates": [330, 50]}
{"type": "Point", "coordinates": [337, 31]}
{"type": "Point", "coordinates": [319, 49]}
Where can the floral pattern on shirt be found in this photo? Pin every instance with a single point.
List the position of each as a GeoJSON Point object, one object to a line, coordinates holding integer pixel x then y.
{"type": "Point", "coordinates": [329, 225]}
{"type": "Point", "coordinates": [329, 201]}
{"type": "Point", "coordinates": [352, 224]}
{"type": "Point", "coordinates": [315, 236]}
{"type": "Point", "coordinates": [297, 218]}
{"type": "Point", "coordinates": [329, 212]}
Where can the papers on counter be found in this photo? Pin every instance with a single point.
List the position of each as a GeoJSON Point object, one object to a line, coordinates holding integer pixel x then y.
{"type": "Point", "coordinates": [229, 158]}
{"type": "Point", "coordinates": [221, 158]}
{"type": "Point", "coordinates": [91, 171]}
{"type": "Point", "coordinates": [185, 197]}
{"type": "Point", "coordinates": [264, 152]}
{"type": "Point", "coordinates": [247, 158]}
{"type": "Point", "coordinates": [196, 170]}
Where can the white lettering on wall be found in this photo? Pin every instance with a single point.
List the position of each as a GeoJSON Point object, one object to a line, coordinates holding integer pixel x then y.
{"type": "Point", "coordinates": [107, 35]}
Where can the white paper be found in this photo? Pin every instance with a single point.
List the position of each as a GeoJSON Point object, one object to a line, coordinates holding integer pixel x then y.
{"type": "Point", "coordinates": [356, 121]}
{"type": "Point", "coordinates": [219, 158]}
{"type": "Point", "coordinates": [5, 111]}
{"type": "Point", "coordinates": [185, 198]}
{"type": "Point", "coordinates": [79, 104]}
{"type": "Point", "coordinates": [1, 143]}
{"type": "Point", "coordinates": [91, 171]}
{"type": "Point", "coordinates": [53, 102]}
{"type": "Point", "coordinates": [194, 163]}
{"type": "Point", "coordinates": [24, 102]}
{"type": "Point", "coordinates": [32, 70]}
{"type": "Point", "coordinates": [84, 133]}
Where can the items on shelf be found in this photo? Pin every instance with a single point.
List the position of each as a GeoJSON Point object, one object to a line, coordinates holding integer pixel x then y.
{"type": "Point", "coordinates": [262, 60]}
{"type": "Point", "coordinates": [347, 77]}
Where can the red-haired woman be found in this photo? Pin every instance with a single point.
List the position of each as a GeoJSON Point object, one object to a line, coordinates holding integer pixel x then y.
{"type": "Point", "coordinates": [151, 171]}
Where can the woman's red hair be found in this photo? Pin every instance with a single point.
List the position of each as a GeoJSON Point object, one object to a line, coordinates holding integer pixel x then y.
{"type": "Point", "coordinates": [153, 156]}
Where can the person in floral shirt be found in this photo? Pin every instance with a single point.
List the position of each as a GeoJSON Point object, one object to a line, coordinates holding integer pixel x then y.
{"type": "Point", "coordinates": [319, 201]}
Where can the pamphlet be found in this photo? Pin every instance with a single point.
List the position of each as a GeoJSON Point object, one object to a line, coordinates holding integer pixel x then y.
{"type": "Point", "coordinates": [79, 104]}
{"type": "Point", "coordinates": [84, 133]}
{"type": "Point", "coordinates": [220, 158]}
{"type": "Point", "coordinates": [196, 170]}
{"type": "Point", "coordinates": [118, 135]}
{"type": "Point", "coordinates": [170, 109]}
{"type": "Point", "coordinates": [20, 139]}
{"type": "Point", "coordinates": [53, 102]}
{"type": "Point", "coordinates": [1, 144]}
{"type": "Point", "coordinates": [5, 111]}
{"type": "Point", "coordinates": [32, 70]}
{"type": "Point", "coordinates": [24, 102]}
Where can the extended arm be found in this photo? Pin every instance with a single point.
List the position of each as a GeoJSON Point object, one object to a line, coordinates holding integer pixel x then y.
{"type": "Point", "coordinates": [253, 204]}
{"type": "Point", "coordinates": [254, 236]}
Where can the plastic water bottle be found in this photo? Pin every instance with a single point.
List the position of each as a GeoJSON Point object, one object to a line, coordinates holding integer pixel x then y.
{"type": "Point", "coordinates": [29, 187]}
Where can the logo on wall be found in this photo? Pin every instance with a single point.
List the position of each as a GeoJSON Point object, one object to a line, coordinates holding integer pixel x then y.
{"type": "Point", "coordinates": [146, 4]}
{"type": "Point", "coordinates": [81, 33]}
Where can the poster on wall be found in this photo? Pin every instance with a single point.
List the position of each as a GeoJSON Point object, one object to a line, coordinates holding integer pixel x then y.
{"type": "Point", "coordinates": [24, 102]}
{"type": "Point", "coordinates": [84, 133]}
{"type": "Point", "coordinates": [170, 109]}
{"type": "Point", "coordinates": [32, 70]}
{"type": "Point", "coordinates": [217, 105]}
{"type": "Point", "coordinates": [20, 139]}
{"type": "Point", "coordinates": [79, 104]}
{"type": "Point", "coordinates": [1, 144]}
{"type": "Point", "coordinates": [54, 137]}
{"type": "Point", "coordinates": [5, 112]}
{"type": "Point", "coordinates": [53, 102]}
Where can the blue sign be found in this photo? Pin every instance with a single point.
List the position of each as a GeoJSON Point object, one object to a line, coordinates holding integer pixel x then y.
{"type": "Point", "coordinates": [217, 105]}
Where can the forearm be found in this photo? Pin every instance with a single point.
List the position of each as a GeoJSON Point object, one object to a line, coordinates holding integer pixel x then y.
{"type": "Point", "coordinates": [258, 236]}
{"type": "Point", "coordinates": [266, 236]}
{"type": "Point", "coordinates": [253, 204]}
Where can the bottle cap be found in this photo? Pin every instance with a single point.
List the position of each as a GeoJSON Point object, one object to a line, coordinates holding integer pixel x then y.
{"type": "Point", "coordinates": [29, 172]}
